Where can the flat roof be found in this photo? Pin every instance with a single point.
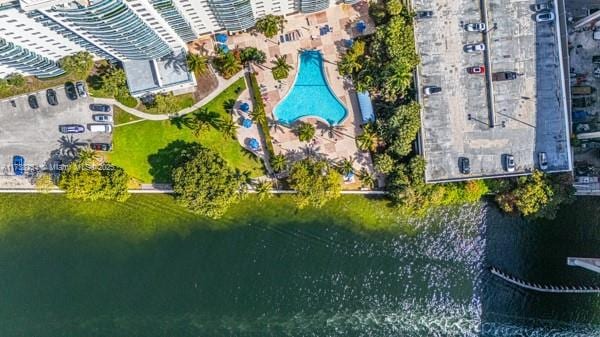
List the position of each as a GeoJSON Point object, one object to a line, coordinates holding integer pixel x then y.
{"type": "Point", "coordinates": [485, 120]}
{"type": "Point", "coordinates": [144, 76]}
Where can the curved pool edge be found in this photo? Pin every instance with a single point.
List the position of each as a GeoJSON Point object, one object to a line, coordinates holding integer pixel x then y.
{"type": "Point", "coordinates": [328, 85]}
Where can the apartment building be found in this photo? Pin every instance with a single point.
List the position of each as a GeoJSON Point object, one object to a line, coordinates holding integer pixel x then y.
{"type": "Point", "coordinates": [143, 35]}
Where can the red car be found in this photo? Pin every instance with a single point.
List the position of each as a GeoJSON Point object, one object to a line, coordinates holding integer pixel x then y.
{"type": "Point", "coordinates": [476, 70]}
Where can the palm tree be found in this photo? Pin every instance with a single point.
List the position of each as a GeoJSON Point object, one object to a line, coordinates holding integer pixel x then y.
{"type": "Point", "coordinates": [278, 163]}
{"type": "Point", "coordinates": [88, 156]}
{"type": "Point", "coordinates": [263, 189]}
{"type": "Point", "coordinates": [258, 117]}
{"type": "Point", "coordinates": [197, 64]}
{"type": "Point", "coordinates": [366, 179]}
{"type": "Point", "coordinates": [270, 25]}
{"type": "Point", "coordinates": [253, 55]}
{"type": "Point", "coordinates": [305, 132]}
{"type": "Point", "coordinates": [227, 64]}
{"type": "Point", "coordinates": [229, 105]}
{"type": "Point", "coordinates": [345, 166]}
{"type": "Point", "coordinates": [281, 69]}
{"type": "Point", "coordinates": [367, 139]}
{"type": "Point", "coordinates": [228, 127]}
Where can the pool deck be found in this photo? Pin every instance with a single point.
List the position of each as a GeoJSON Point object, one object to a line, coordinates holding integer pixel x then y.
{"type": "Point", "coordinates": [342, 19]}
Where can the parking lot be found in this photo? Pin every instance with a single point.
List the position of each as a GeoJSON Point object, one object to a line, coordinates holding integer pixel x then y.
{"type": "Point", "coordinates": [523, 116]}
{"type": "Point", "coordinates": [34, 133]}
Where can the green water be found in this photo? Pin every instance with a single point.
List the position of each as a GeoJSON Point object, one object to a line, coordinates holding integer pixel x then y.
{"type": "Point", "coordinates": [148, 268]}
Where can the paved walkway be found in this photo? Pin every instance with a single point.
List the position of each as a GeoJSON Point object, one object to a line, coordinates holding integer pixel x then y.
{"type": "Point", "coordinates": [223, 84]}
{"type": "Point", "coordinates": [170, 191]}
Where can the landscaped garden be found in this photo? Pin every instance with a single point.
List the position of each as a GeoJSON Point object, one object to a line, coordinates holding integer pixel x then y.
{"type": "Point", "coordinates": [147, 149]}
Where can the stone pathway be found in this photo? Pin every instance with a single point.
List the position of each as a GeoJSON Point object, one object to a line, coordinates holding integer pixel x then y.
{"type": "Point", "coordinates": [223, 84]}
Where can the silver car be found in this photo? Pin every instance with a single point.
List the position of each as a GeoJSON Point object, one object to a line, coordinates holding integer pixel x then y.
{"type": "Point", "coordinates": [102, 118]}
{"type": "Point", "coordinates": [543, 161]}
{"type": "Point", "coordinates": [509, 163]}
{"type": "Point", "coordinates": [473, 48]}
{"type": "Point", "coordinates": [544, 17]}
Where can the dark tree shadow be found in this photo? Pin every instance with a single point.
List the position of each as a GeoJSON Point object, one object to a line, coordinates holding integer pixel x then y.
{"type": "Point", "coordinates": [166, 159]}
{"type": "Point", "coordinates": [176, 61]}
{"type": "Point", "coordinates": [229, 105]}
{"type": "Point", "coordinates": [69, 146]}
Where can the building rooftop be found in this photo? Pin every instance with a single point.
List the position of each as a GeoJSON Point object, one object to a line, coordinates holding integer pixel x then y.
{"type": "Point", "coordinates": [481, 119]}
{"type": "Point", "coordinates": [161, 75]}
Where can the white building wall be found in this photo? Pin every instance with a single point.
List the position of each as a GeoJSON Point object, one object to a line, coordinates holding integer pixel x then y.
{"type": "Point", "coordinates": [146, 11]}
{"type": "Point", "coordinates": [18, 28]}
{"type": "Point", "coordinates": [199, 15]}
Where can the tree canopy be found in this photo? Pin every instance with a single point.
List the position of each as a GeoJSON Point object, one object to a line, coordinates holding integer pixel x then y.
{"type": "Point", "coordinates": [315, 182]}
{"type": "Point", "coordinates": [206, 184]}
{"type": "Point", "coordinates": [281, 69]}
{"type": "Point", "coordinates": [305, 131]}
{"type": "Point", "coordinates": [270, 25]}
{"type": "Point", "coordinates": [84, 180]}
{"type": "Point", "coordinates": [80, 64]}
{"type": "Point", "coordinates": [198, 64]}
{"type": "Point", "coordinates": [400, 129]}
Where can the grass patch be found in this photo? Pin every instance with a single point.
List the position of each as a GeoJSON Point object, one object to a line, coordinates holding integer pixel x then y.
{"type": "Point", "coordinates": [121, 116]}
{"type": "Point", "coordinates": [180, 102]}
{"type": "Point", "coordinates": [35, 84]}
{"type": "Point", "coordinates": [127, 100]}
{"type": "Point", "coordinates": [136, 145]}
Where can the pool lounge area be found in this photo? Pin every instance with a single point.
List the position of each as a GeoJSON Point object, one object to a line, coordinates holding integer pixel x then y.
{"type": "Point", "coordinates": [311, 95]}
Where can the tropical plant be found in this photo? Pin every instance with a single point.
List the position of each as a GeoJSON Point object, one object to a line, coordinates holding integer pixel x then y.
{"type": "Point", "coordinates": [253, 55]}
{"type": "Point", "coordinates": [227, 64]}
{"type": "Point", "coordinates": [206, 184]}
{"type": "Point", "coordinates": [400, 129]}
{"type": "Point", "coordinates": [228, 127]}
{"type": "Point", "coordinates": [367, 179]}
{"type": "Point", "coordinates": [367, 140]}
{"type": "Point", "coordinates": [114, 81]}
{"type": "Point", "coordinates": [196, 63]}
{"type": "Point", "coordinates": [352, 61]}
{"type": "Point", "coordinates": [305, 131]}
{"type": "Point", "coordinates": [281, 69]}
{"type": "Point", "coordinates": [270, 25]}
{"type": "Point", "coordinates": [393, 7]}
{"type": "Point", "coordinates": [164, 103]}
{"type": "Point", "coordinates": [87, 156]}
{"type": "Point", "coordinates": [79, 64]}
{"type": "Point", "coordinates": [82, 181]}
{"type": "Point", "coordinates": [345, 166]}
{"type": "Point", "coordinates": [384, 164]}
{"type": "Point", "coordinates": [278, 163]}
{"type": "Point", "coordinates": [315, 182]}
{"type": "Point", "coordinates": [15, 79]}
{"type": "Point", "coordinates": [263, 189]}
{"type": "Point", "coordinates": [258, 116]}
{"type": "Point", "coordinates": [44, 183]}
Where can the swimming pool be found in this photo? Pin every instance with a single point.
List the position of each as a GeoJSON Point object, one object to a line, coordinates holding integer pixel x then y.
{"type": "Point", "coordinates": [310, 95]}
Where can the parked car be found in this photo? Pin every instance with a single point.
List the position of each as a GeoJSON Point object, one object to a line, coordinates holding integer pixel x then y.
{"type": "Point", "coordinates": [101, 146]}
{"type": "Point", "coordinates": [504, 76]}
{"type": "Point", "coordinates": [464, 165]}
{"type": "Point", "coordinates": [424, 14]}
{"type": "Point", "coordinates": [51, 97]}
{"type": "Point", "coordinates": [102, 118]}
{"type": "Point", "coordinates": [33, 103]}
{"type": "Point", "coordinates": [475, 47]}
{"type": "Point", "coordinates": [545, 16]}
{"type": "Point", "coordinates": [431, 89]}
{"type": "Point", "coordinates": [476, 70]}
{"type": "Point", "coordinates": [509, 163]}
{"type": "Point", "coordinates": [582, 90]}
{"type": "Point", "coordinates": [18, 165]}
{"type": "Point", "coordinates": [70, 90]}
{"type": "Point", "coordinates": [80, 86]}
{"type": "Point", "coordinates": [543, 161]}
{"type": "Point", "coordinates": [475, 27]}
{"type": "Point", "coordinates": [13, 103]}
{"type": "Point", "coordinates": [100, 107]}
{"type": "Point", "coordinates": [71, 128]}
{"type": "Point", "coordinates": [100, 128]}
{"type": "Point", "coordinates": [545, 6]}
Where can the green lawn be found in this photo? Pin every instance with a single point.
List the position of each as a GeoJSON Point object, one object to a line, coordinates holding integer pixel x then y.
{"type": "Point", "coordinates": [146, 150]}
{"type": "Point", "coordinates": [180, 101]}
{"type": "Point", "coordinates": [121, 116]}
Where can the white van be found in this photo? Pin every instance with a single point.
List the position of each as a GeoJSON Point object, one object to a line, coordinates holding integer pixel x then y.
{"type": "Point", "coordinates": [100, 128]}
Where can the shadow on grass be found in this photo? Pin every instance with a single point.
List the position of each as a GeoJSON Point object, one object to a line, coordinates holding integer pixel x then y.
{"type": "Point", "coordinates": [166, 159]}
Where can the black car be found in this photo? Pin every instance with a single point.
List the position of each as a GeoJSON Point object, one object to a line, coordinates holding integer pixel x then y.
{"type": "Point", "coordinates": [464, 165]}
{"type": "Point", "coordinates": [71, 128]}
{"type": "Point", "coordinates": [51, 97]}
{"type": "Point", "coordinates": [101, 146]}
{"type": "Point", "coordinates": [424, 14]}
{"type": "Point", "coordinates": [70, 90]}
{"type": "Point", "coordinates": [33, 103]}
{"type": "Point", "coordinates": [100, 107]}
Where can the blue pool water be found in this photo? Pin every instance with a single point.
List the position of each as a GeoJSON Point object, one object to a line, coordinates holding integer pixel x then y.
{"type": "Point", "coordinates": [310, 95]}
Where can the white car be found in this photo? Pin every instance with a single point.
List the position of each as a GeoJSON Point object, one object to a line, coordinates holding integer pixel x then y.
{"type": "Point", "coordinates": [544, 17]}
{"type": "Point", "coordinates": [430, 90]}
{"type": "Point", "coordinates": [472, 48]}
{"type": "Point", "coordinates": [509, 163]}
{"type": "Point", "coordinates": [475, 27]}
{"type": "Point", "coordinates": [100, 128]}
